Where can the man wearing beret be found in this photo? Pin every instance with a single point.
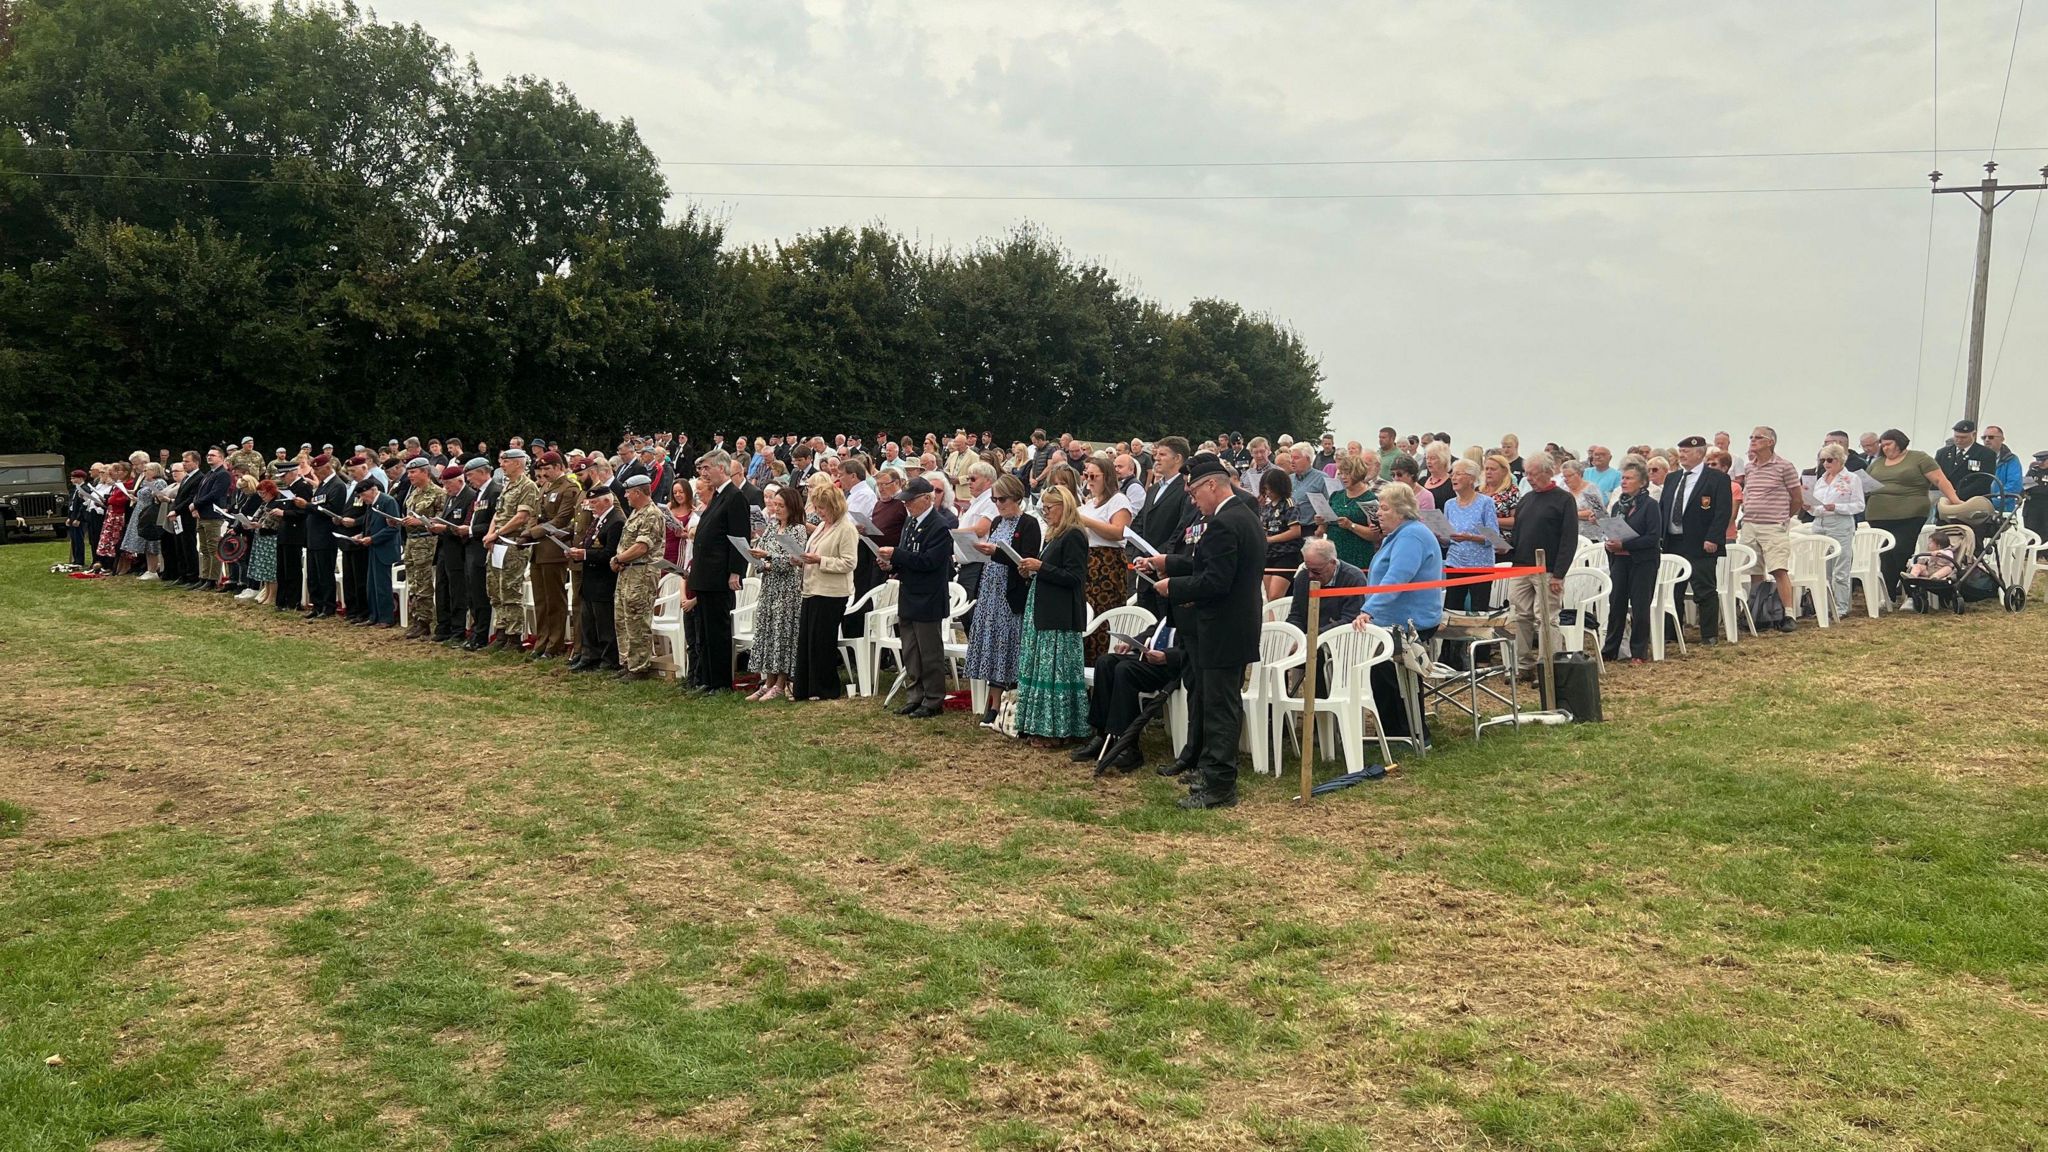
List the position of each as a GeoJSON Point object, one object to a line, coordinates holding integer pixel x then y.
{"type": "Point", "coordinates": [424, 503]}
{"type": "Point", "coordinates": [1971, 468]}
{"type": "Point", "coordinates": [328, 498]}
{"type": "Point", "coordinates": [451, 586]}
{"type": "Point", "coordinates": [295, 496]}
{"type": "Point", "coordinates": [595, 543]}
{"type": "Point", "coordinates": [1220, 583]}
{"type": "Point", "coordinates": [377, 535]}
{"type": "Point", "coordinates": [549, 571]}
{"type": "Point", "coordinates": [518, 505]}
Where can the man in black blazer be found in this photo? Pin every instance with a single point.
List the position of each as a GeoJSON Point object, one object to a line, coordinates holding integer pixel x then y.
{"type": "Point", "coordinates": [1217, 589]}
{"type": "Point", "coordinates": [297, 491]}
{"type": "Point", "coordinates": [716, 569]}
{"type": "Point", "coordinates": [1697, 504]}
{"type": "Point", "coordinates": [330, 494]}
{"type": "Point", "coordinates": [922, 562]}
{"type": "Point", "coordinates": [1164, 519]}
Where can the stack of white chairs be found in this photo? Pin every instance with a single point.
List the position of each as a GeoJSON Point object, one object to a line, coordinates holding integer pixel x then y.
{"type": "Point", "coordinates": [1812, 554]}
{"type": "Point", "coordinates": [1866, 568]}
{"type": "Point", "coordinates": [1586, 592]}
{"type": "Point", "coordinates": [1340, 718]}
{"type": "Point", "coordinates": [743, 617]}
{"type": "Point", "coordinates": [958, 619]}
{"type": "Point", "coordinates": [1673, 572]}
{"type": "Point", "coordinates": [668, 622]}
{"type": "Point", "coordinates": [858, 651]}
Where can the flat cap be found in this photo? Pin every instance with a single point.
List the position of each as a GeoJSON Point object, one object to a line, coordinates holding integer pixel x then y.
{"type": "Point", "coordinates": [918, 486]}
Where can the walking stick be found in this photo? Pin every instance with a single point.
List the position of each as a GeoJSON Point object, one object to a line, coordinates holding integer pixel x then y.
{"type": "Point", "coordinates": [1308, 695]}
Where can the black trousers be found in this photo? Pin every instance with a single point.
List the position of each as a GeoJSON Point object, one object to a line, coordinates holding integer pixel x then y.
{"type": "Point", "coordinates": [817, 649]}
{"type": "Point", "coordinates": [1892, 563]}
{"type": "Point", "coordinates": [320, 578]}
{"type": "Point", "coordinates": [1385, 680]}
{"type": "Point", "coordinates": [1705, 585]}
{"type": "Point", "coordinates": [94, 521]}
{"type": "Point", "coordinates": [1221, 691]}
{"type": "Point", "coordinates": [173, 569]}
{"type": "Point", "coordinates": [188, 552]}
{"type": "Point", "coordinates": [1120, 679]}
{"type": "Point", "coordinates": [1189, 681]}
{"type": "Point", "coordinates": [1635, 582]}
{"type": "Point", "coordinates": [597, 637]}
{"type": "Point", "coordinates": [81, 553]}
{"type": "Point", "coordinates": [355, 582]}
{"type": "Point", "coordinates": [711, 661]}
{"type": "Point", "coordinates": [451, 589]}
{"type": "Point", "coordinates": [476, 592]}
{"type": "Point", "coordinates": [291, 570]}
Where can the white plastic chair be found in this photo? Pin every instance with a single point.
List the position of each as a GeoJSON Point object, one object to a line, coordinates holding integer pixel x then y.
{"type": "Point", "coordinates": [2016, 556]}
{"type": "Point", "coordinates": [1592, 555]}
{"type": "Point", "coordinates": [1584, 588]}
{"type": "Point", "coordinates": [1275, 611]}
{"type": "Point", "coordinates": [743, 617]}
{"type": "Point", "coordinates": [398, 589]}
{"type": "Point", "coordinates": [668, 621]}
{"type": "Point", "coordinates": [880, 636]}
{"type": "Point", "coordinates": [1127, 619]}
{"type": "Point", "coordinates": [955, 643]}
{"type": "Point", "coordinates": [1342, 715]}
{"type": "Point", "coordinates": [855, 650]}
{"type": "Point", "coordinates": [1672, 574]}
{"type": "Point", "coordinates": [526, 603]}
{"type": "Point", "coordinates": [1865, 567]}
{"type": "Point", "coordinates": [1281, 646]}
{"type": "Point", "coordinates": [1736, 565]}
{"type": "Point", "coordinates": [957, 606]}
{"type": "Point", "coordinates": [1811, 555]}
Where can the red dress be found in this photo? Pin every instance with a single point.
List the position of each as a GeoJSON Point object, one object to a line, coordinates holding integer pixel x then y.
{"type": "Point", "coordinates": [117, 521]}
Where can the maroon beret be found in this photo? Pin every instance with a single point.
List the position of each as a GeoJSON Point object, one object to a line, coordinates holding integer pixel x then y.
{"type": "Point", "coordinates": [358, 460]}
{"type": "Point", "coordinates": [452, 472]}
{"type": "Point", "coordinates": [551, 458]}
{"type": "Point", "coordinates": [322, 460]}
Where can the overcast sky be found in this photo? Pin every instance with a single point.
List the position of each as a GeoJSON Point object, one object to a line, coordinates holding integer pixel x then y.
{"type": "Point", "coordinates": [1618, 318]}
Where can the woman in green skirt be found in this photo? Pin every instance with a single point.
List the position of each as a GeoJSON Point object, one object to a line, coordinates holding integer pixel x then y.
{"type": "Point", "coordinates": [1052, 692]}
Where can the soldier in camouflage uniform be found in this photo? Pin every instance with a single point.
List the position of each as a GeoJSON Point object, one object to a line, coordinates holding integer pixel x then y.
{"type": "Point", "coordinates": [247, 460]}
{"type": "Point", "coordinates": [518, 504]}
{"type": "Point", "coordinates": [424, 500]}
{"type": "Point", "coordinates": [633, 603]}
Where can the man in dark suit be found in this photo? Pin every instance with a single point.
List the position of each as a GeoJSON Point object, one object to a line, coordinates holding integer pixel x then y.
{"type": "Point", "coordinates": [297, 491]}
{"type": "Point", "coordinates": [379, 539]}
{"type": "Point", "coordinates": [328, 494]}
{"type": "Point", "coordinates": [186, 543]}
{"type": "Point", "coordinates": [476, 555]}
{"type": "Point", "coordinates": [923, 564]}
{"type": "Point", "coordinates": [355, 559]}
{"type": "Point", "coordinates": [1165, 517]}
{"type": "Point", "coordinates": [1217, 587]}
{"type": "Point", "coordinates": [451, 556]}
{"type": "Point", "coordinates": [1697, 504]}
{"type": "Point", "coordinates": [716, 569]}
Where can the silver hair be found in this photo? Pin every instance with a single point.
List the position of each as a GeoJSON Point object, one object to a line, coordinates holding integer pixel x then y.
{"type": "Point", "coordinates": [1399, 499]}
{"type": "Point", "coordinates": [717, 458]}
{"type": "Point", "coordinates": [1539, 462]}
{"type": "Point", "coordinates": [982, 469]}
{"type": "Point", "coordinates": [1319, 547]}
{"type": "Point", "coordinates": [1467, 467]}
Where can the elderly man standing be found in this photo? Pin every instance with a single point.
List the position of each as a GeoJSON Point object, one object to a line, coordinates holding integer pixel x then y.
{"type": "Point", "coordinates": [1307, 480]}
{"type": "Point", "coordinates": [962, 459]}
{"type": "Point", "coordinates": [1697, 503]}
{"type": "Point", "coordinates": [1600, 471]}
{"type": "Point", "coordinates": [716, 571]}
{"type": "Point", "coordinates": [1219, 583]}
{"type": "Point", "coordinates": [1546, 522]}
{"type": "Point", "coordinates": [1771, 496]}
{"type": "Point", "coordinates": [923, 563]}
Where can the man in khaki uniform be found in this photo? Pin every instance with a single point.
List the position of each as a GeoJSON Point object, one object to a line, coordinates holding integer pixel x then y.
{"type": "Point", "coordinates": [518, 505]}
{"type": "Point", "coordinates": [247, 460]}
{"type": "Point", "coordinates": [424, 500]}
{"type": "Point", "coordinates": [633, 603]}
{"type": "Point", "coordinates": [560, 497]}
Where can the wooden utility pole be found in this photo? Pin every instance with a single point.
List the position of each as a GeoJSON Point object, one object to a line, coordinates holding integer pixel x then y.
{"type": "Point", "coordinates": [1987, 196]}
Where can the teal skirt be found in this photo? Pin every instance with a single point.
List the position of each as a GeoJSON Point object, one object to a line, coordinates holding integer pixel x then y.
{"type": "Point", "coordinates": [1052, 692]}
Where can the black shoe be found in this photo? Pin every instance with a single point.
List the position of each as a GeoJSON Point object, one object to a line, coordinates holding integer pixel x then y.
{"type": "Point", "coordinates": [577, 665]}
{"type": "Point", "coordinates": [1788, 626]}
{"type": "Point", "coordinates": [1087, 751]}
{"type": "Point", "coordinates": [1606, 655]}
{"type": "Point", "coordinates": [228, 590]}
{"type": "Point", "coordinates": [313, 615]}
{"type": "Point", "coordinates": [1207, 799]}
{"type": "Point", "coordinates": [907, 709]}
{"type": "Point", "coordinates": [1175, 768]}
{"type": "Point", "coordinates": [642, 674]}
{"type": "Point", "coordinates": [926, 712]}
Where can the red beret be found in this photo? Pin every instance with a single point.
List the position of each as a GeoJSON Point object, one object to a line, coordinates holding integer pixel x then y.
{"type": "Point", "coordinates": [322, 460]}
{"type": "Point", "coordinates": [551, 458]}
{"type": "Point", "coordinates": [358, 461]}
{"type": "Point", "coordinates": [452, 472]}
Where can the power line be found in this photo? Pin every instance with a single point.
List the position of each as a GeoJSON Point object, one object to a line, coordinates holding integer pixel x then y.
{"type": "Point", "coordinates": [1927, 262]}
{"type": "Point", "coordinates": [1075, 165]}
{"type": "Point", "coordinates": [1036, 197]}
{"type": "Point", "coordinates": [2009, 56]}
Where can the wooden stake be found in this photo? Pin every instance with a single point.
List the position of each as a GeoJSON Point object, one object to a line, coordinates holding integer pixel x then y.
{"type": "Point", "coordinates": [1546, 619]}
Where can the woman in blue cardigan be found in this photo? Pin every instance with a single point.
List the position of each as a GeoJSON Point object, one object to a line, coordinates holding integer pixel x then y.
{"type": "Point", "coordinates": [1408, 554]}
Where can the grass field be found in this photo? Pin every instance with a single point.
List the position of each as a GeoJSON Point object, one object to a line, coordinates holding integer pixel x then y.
{"type": "Point", "coordinates": [269, 885]}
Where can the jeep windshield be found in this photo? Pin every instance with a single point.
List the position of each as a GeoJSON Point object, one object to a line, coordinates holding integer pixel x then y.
{"type": "Point", "coordinates": [44, 475]}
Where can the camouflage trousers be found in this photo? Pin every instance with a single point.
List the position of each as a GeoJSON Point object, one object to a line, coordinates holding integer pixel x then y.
{"type": "Point", "coordinates": [419, 580]}
{"type": "Point", "coordinates": [633, 617]}
{"type": "Point", "coordinates": [507, 589]}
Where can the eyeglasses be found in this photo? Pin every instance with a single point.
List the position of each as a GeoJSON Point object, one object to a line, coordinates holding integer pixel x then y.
{"type": "Point", "coordinates": [1758, 436]}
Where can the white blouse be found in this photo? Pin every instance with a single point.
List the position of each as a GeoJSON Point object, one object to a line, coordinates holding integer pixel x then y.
{"type": "Point", "coordinates": [1117, 502]}
{"type": "Point", "coordinates": [1845, 492]}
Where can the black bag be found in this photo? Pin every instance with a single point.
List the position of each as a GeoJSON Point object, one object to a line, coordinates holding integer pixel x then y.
{"type": "Point", "coordinates": [1764, 606]}
{"type": "Point", "coordinates": [146, 525]}
{"type": "Point", "coordinates": [1979, 586]}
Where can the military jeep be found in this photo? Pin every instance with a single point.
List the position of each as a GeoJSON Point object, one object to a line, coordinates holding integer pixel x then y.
{"type": "Point", "coordinates": [33, 491]}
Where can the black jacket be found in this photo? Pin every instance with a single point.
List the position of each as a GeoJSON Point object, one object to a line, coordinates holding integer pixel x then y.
{"type": "Point", "coordinates": [923, 564]}
{"type": "Point", "coordinates": [1163, 522]}
{"type": "Point", "coordinates": [1062, 604]}
{"type": "Point", "coordinates": [1646, 521]}
{"type": "Point", "coordinates": [1547, 521]}
{"type": "Point", "coordinates": [214, 489]}
{"type": "Point", "coordinates": [459, 505]}
{"type": "Point", "coordinates": [1222, 582]}
{"type": "Point", "coordinates": [1025, 541]}
{"type": "Point", "coordinates": [713, 560]}
{"type": "Point", "coordinates": [599, 581]}
{"type": "Point", "coordinates": [1707, 509]}
{"type": "Point", "coordinates": [329, 494]}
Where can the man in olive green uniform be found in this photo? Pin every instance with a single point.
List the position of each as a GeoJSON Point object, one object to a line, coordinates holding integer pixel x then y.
{"type": "Point", "coordinates": [424, 500]}
{"type": "Point", "coordinates": [247, 460]}
{"type": "Point", "coordinates": [560, 497]}
{"type": "Point", "coordinates": [518, 505]}
{"type": "Point", "coordinates": [633, 603]}
{"type": "Point", "coordinates": [594, 476]}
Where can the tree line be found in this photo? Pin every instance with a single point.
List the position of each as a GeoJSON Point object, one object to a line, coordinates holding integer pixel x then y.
{"type": "Point", "coordinates": [217, 221]}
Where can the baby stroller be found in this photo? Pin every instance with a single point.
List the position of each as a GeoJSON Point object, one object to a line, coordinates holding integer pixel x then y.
{"type": "Point", "coordinates": [1956, 570]}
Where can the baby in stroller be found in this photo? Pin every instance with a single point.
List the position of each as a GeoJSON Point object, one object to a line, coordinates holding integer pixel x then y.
{"type": "Point", "coordinates": [1940, 564]}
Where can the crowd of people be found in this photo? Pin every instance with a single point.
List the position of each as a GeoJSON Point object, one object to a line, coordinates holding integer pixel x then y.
{"type": "Point", "coordinates": [1044, 535]}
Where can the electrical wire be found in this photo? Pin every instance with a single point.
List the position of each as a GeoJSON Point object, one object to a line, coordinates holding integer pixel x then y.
{"type": "Point", "coordinates": [2009, 57]}
{"type": "Point", "coordinates": [1927, 262]}
{"type": "Point", "coordinates": [1984, 397]}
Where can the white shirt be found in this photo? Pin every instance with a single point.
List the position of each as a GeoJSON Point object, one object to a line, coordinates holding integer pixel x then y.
{"type": "Point", "coordinates": [1116, 503]}
{"type": "Point", "coordinates": [1845, 492]}
{"type": "Point", "coordinates": [1687, 481]}
{"type": "Point", "coordinates": [861, 498]}
{"type": "Point", "coordinates": [982, 507]}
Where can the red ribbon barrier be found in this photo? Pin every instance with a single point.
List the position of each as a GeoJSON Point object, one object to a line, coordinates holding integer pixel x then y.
{"type": "Point", "coordinates": [1487, 576]}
